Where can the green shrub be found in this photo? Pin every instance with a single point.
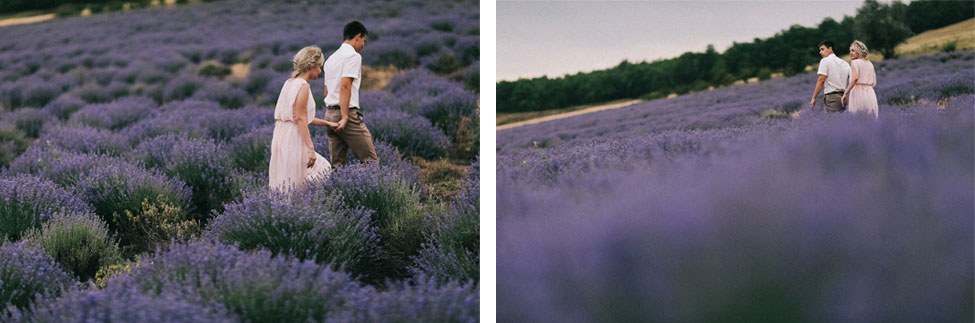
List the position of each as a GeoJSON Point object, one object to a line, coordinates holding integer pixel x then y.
{"type": "Point", "coordinates": [214, 69]}
{"type": "Point", "coordinates": [153, 226]}
{"type": "Point", "coordinates": [443, 64]}
{"type": "Point", "coordinates": [80, 242]}
{"type": "Point", "coordinates": [12, 144]}
{"type": "Point", "coordinates": [67, 10]}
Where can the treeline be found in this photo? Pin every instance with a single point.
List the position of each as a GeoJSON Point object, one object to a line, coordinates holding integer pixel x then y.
{"type": "Point", "coordinates": [880, 26]}
{"type": "Point", "coordinates": [71, 7]}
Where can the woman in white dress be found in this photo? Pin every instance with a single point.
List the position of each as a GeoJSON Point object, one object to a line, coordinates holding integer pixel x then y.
{"type": "Point", "coordinates": [860, 94]}
{"type": "Point", "coordinates": [293, 156]}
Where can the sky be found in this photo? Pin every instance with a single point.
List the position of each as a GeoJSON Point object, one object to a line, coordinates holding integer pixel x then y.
{"type": "Point", "coordinates": [554, 38]}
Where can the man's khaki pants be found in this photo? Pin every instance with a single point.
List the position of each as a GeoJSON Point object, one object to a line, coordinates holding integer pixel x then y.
{"type": "Point", "coordinates": [832, 102]}
{"type": "Point", "coordinates": [355, 136]}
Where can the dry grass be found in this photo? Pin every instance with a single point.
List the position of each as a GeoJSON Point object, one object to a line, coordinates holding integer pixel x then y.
{"type": "Point", "coordinates": [442, 178]}
{"type": "Point", "coordinates": [376, 77]}
{"type": "Point", "coordinates": [932, 41]}
{"type": "Point", "coordinates": [240, 71]}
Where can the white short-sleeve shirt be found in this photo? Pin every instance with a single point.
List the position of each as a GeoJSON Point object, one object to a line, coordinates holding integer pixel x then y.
{"type": "Point", "coordinates": [345, 62]}
{"type": "Point", "coordinates": [837, 73]}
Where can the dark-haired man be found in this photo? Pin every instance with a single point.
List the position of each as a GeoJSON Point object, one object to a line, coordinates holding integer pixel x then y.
{"type": "Point", "coordinates": [343, 74]}
{"type": "Point", "coordinates": [834, 73]}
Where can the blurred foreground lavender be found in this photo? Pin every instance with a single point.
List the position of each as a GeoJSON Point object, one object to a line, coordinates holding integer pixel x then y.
{"type": "Point", "coordinates": [719, 215]}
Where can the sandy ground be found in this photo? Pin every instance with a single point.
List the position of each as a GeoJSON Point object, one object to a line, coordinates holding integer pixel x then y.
{"type": "Point", "coordinates": [25, 20]}
{"type": "Point", "coordinates": [569, 114]}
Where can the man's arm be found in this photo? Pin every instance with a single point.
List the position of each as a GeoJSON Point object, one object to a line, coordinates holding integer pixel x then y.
{"type": "Point", "coordinates": [819, 87]}
{"type": "Point", "coordinates": [345, 95]}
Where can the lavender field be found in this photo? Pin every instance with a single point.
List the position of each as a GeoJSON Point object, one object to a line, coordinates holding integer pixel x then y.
{"type": "Point", "coordinates": [134, 149]}
{"type": "Point", "coordinates": [698, 208]}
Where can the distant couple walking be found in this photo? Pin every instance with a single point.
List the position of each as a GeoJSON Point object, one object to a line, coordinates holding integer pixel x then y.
{"type": "Point", "coordinates": [847, 86]}
{"type": "Point", "coordinates": [293, 156]}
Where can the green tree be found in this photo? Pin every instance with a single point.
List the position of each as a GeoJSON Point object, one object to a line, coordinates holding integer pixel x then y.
{"type": "Point", "coordinates": [878, 26]}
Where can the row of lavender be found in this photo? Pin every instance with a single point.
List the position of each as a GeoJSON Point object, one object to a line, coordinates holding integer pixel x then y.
{"type": "Point", "coordinates": [836, 218]}
{"type": "Point", "coordinates": [121, 157]}
{"type": "Point", "coordinates": [901, 81]}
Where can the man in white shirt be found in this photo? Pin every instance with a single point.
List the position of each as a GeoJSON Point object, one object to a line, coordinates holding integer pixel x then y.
{"type": "Point", "coordinates": [834, 73]}
{"type": "Point", "coordinates": [343, 74]}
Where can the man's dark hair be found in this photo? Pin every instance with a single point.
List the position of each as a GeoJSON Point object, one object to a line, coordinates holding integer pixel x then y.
{"type": "Point", "coordinates": [354, 28]}
{"type": "Point", "coordinates": [826, 43]}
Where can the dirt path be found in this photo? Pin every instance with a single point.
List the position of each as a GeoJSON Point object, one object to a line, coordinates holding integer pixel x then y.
{"type": "Point", "coordinates": [25, 20]}
{"type": "Point", "coordinates": [569, 114]}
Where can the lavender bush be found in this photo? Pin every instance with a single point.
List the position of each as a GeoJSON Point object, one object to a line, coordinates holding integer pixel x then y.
{"type": "Point", "coordinates": [252, 150]}
{"type": "Point", "coordinates": [252, 285]}
{"type": "Point", "coordinates": [26, 272]}
{"type": "Point", "coordinates": [64, 106]}
{"type": "Point", "coordinates": [79, 242]}
{"type": "Point", "coordinates": [30, 121]}
{"type": "Point", "coordinates": [27, 202]}
{"type": "Point", "coordinates": [302, 225]}
{"type": "Point", "coordinates": [84, 139]}
{"type": "Point", "coordinates": [411, 134]}
{"type": "Point", "coordinates": [422, 300]}
{"type": "Point", "coordinates": [120, 304]}
{"type": "Point", "coordinates": [201, 163]}
{"type": "Point", "coordinates": [394, 202]}
{"type": "Point", "coordinates": [115, 115]}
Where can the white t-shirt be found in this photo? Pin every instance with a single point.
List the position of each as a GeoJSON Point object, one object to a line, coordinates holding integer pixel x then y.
{"type": "Point", "coordinates": [345, 62]}
{"type": "Point", "coordinates": [837, 73]}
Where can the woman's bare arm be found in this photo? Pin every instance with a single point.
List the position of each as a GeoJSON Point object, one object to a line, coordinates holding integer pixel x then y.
{"type": "Point", "coordinates": [301, 120]}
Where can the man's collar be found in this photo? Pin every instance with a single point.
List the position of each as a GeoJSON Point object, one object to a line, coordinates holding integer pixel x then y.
{"type": "Point", "coordinates": [344, 44]}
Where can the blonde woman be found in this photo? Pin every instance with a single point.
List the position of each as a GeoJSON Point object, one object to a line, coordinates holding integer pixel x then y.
{"type": "Point", "coordinates": [860, 93]}
{"type": "Point", "coordinates": [293, 156]}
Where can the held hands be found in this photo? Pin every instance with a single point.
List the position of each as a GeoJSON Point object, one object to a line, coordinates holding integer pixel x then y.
{"type": "Point", "coordinates": [843, 100]}
{"type": "Point", "coordinates": [341, 124]}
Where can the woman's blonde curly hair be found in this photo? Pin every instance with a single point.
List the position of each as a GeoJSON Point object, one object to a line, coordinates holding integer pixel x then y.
{"type": "Point", "coordinates": [307, 58]}
{"type": "Point", "coordinates": [860, 48]}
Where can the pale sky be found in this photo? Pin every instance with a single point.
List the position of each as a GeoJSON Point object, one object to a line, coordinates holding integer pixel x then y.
{"type": "Point", "coordinates": [555, 38]}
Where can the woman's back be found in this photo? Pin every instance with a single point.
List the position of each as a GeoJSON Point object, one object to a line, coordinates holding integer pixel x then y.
{"type": "Point", "coordinates": [284, 109]}
{"type": "Point", "coordinates": [865, 70]}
